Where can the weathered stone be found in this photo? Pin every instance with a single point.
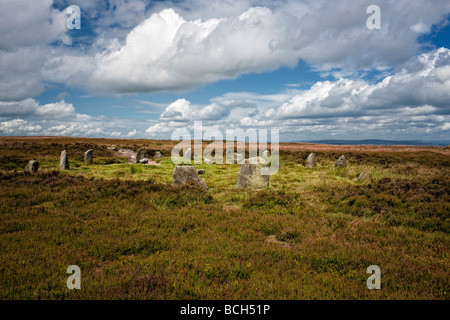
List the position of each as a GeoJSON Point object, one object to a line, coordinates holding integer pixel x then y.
{"type": "Point", "coordinates": [140, 154]}
{"type": "Point", "coordinates": [201, 171]}
{"type": "Point", "coordinates": [311, 161]}
{"type": "Point", "coordinates": [341, 162]}
{"type": "Point", "coordinates": [238, 158]}
{"type": "Point", "coordinates": [143, 161]}
{"type": "Point", "coordinates": [158, 155]}
{"type": "Point", "coordinates": [364, 175]}
{"type": "Point", "coordinates": [250, 174]}
{"type": "Point", "coordinates": [32, 166]}
{"type": "Point", "coordinates": [266, 154]}
{"type": "Point", "coordinates": [64, 161]}
{"type": "Point", "coordinates": [89, 157]}
{"type": "Point", "coordinates": [184, 174]}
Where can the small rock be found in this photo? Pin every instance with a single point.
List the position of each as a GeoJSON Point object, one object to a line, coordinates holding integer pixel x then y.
{"type": "Point", "coordinates": [158, 155]}
{"type": "Point", "coordinates": [201, 171]}
{"type": "Point", "coordinates": [64, 161]}
{"type": "Point", "coordinates": [250, 175]}
{"type": "Point", "coordinates": [311, 161]}
{"type": "Point", "coordinates": [89, 157]}
{"type": "Point", "coordinates": [32, 166]}
{"type": "Point", "coordinates": [364, 175]}
{"type": "Point", "coordinates": [342, 162]}
{"type": "Point", "coordinates": [141, 154]}
{"type": "Point", "coordinates": [266, 153]}
{"type": "Point", "coordinates": [143, 161]}
{"type": "Point", "coordinates": [184, 174]}
{"type": "Point", "coordinates": [238, 158]}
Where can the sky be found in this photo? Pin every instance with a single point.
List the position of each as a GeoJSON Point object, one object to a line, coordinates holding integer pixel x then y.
{"type": "Point", "coordinates": [312, 69]}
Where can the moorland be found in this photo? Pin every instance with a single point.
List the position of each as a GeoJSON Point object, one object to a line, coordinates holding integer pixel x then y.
{"type": "Point", "coordinates": [310, 235]}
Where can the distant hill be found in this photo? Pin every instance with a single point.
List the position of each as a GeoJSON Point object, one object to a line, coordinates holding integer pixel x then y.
{"type": "Point", "coordinates": [379, 142]}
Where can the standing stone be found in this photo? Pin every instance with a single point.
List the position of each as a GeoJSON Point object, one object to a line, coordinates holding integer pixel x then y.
{"type": "Point", "coordinates": [184, 174]}
{"type": "Point", "coordinates": [342, 162]}
{"type": "Point", "coordinates": [311, 161]}
{"type": "Point", "coordinates": [158, 155]}
{"type": "Point", "coordinates": [32, 166]}
{"type": "Point", "coordinates": [141, 154]}
{"type": "Point", "coordinates": [64, 161]}
{"type": "Point", "coordinates": [250, 175]}
{"type": "Point", "coordinates": [89, 157]}
{"type": "Point", "coordinates": [364, 175]}
{"type": "Point", "coordinates": [238, 158]}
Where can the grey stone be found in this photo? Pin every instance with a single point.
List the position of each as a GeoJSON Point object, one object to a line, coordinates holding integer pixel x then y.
{"type": "Point", "coordinates": [250, 175]}
{"type": "Point", "coordinates": [89, 157]}
{"type": "Point", "coordinates": [158, 155]}
{"type": "Point", "coordinates": [341, 162]}
{"type": "Point", "coordinates": [140, 154]}
{"type": "Point", "coordinates": [311, 161]}
{"type": "Point", "coordinates": [64, 161]}
{"type": "Point", "coordinates": [266, 154]}
{"type": "Point", "coordinates": [364, 175]}
{"type": "Point", "coordinates": [184, 174]}
{"type": "Point", "coordinates": [143, 161]}
{"type": "Point", "coordinates": [238, 158]}
{"type": "Point", "coordinates": [32, 166]}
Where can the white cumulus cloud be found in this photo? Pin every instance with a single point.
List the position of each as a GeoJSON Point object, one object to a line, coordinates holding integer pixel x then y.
{"type": "Point", "coordinates": [168, 51]}
{"type": "Point", "coordinates": [422, 85]}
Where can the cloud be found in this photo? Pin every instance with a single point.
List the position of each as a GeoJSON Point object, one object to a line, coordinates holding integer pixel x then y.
{"type": "Point", "coordinates": [21, 108]}
{"type": "Point", "coordinates": [132, 133]}
{"type": "Point", "coordinates": [413, 101]}
{"type": "Point", "coordinates": [55, 110]}
{"type": "Point", "coordinates": [151, 47]}
{"type": "Point", "coordinates": [18, 125]}
{"type": "Point", "coordinates": [29, 30]}
{"type": "Point", "coordinates": [31, 108]}
{"type": "Point", "coordinates": [158, 129]}
{"type": "Point", "coordinates": [182, 110]}
{"type": "Point", "coordinates": [20, 76]}
{"type": "Point", "coordinates": [169, 52]}
{"type": "Point", "coordinates": [423, 84]}
{"type": "Point", "coordinates": [27, 23]}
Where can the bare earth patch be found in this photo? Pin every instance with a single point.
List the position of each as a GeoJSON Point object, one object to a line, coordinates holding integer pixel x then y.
{"type": "Point", "coordinates": [131, 156]}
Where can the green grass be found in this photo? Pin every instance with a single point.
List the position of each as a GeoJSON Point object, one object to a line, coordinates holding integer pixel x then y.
{"type": "Point", "coordinates": [135, 236]}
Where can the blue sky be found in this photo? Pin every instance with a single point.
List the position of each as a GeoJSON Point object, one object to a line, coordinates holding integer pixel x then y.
{"type": "Point", "coordinates": [141, 69]}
